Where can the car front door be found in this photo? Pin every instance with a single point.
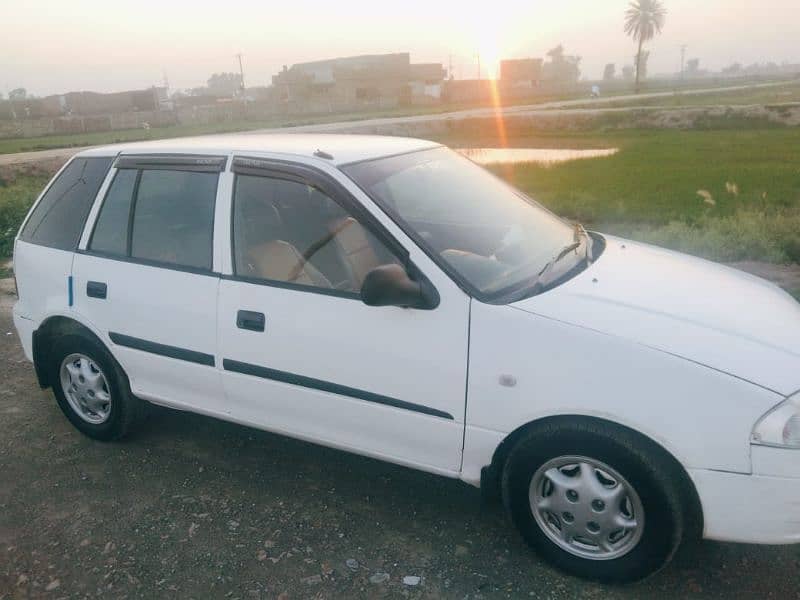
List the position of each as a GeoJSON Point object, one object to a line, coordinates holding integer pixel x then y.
{"type": "Point", "coordinates": [303, 355]}
{"type": "Point", "coordinates": [145, 277]}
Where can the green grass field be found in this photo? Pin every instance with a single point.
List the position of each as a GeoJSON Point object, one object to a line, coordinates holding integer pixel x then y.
{"type": "Point", "coordinates": [15, 199]}
{"type": "Point", "coordinates": [773, 95]}
{"type": "Point", "coordinates": [75, 140]}
{"type": "Point", "coordinates": [779, 94]}
{"type": "Point", "coordinates": [749, 180]}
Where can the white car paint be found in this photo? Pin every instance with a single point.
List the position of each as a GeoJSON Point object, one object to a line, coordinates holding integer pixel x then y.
{"type": "Point", "coordinates": [688, 353]}
{"type": "Point", "coordinates": [701, 311]}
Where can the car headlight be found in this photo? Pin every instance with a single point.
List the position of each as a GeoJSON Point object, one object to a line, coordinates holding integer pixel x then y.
{"type": "Point", "coordinates": [780, 426]}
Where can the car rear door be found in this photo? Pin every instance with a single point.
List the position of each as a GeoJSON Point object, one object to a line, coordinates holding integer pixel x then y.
{"type": "Point", "coordinates": [303, 355]}
{"type": "Point", "coordinates": [144, 277]}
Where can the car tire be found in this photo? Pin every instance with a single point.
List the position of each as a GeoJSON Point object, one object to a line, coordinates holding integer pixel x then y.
{"type": "Point", "coordinates": [592, 465]}
{"type": "Point", "coordinates": [91, 388]}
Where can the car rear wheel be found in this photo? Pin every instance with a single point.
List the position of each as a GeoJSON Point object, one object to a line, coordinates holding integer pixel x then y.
{"type": "Point", "coordinates": [91, 389]}
{"type": "Point", "coordinates": [594, 500]}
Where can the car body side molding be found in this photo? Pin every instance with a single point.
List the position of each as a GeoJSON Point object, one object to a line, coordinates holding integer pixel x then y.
{"type": "Point", "coordinates": [326, 386]}
{"type": "Point", "coordinates": [200, 358]}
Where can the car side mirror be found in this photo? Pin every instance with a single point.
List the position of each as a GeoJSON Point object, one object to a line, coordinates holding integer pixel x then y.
{"type": "Point", "coordinates": [391, 285]}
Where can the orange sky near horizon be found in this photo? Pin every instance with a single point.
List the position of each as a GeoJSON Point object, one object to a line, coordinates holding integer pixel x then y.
{"type": "Point", "coordinates": [51, 46]}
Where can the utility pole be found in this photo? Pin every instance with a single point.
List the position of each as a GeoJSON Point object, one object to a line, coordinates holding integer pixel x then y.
{"type": "Point", "coordinates": [450, 67]}
{"type": "Point", "coordinates": [244, 98]}
{"type": "Point", "coordinates": [241, 71]}
{"type": "Point", "coordinates": [478, 55]}
{"type": "Point", "coordinates": [683, 60]}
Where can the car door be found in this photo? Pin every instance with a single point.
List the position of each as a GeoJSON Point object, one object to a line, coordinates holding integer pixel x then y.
{"type": "Point", "coordinates": [303, 355]}
{"type": "Point", "coordinates": [145, 277]}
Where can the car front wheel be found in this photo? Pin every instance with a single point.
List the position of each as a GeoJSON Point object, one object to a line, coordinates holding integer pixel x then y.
{"type": "Point", "coordinates": [595, 500]}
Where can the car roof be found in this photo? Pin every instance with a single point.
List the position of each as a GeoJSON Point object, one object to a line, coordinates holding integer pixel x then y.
{"type": "Point", "coordinates": [343, 149]}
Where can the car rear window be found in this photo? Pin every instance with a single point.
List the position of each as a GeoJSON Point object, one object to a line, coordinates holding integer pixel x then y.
{"type": "Point", "coordinates": [58, 219]}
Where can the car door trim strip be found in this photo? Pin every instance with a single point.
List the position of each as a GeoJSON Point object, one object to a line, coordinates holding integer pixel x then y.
{"type": "Point", "coordinates": [326, 386]}
{"type": "Point", "coordinates": [162, 349]}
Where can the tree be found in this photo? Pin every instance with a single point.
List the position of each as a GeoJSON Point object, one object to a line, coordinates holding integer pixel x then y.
{"type": "Point", "coordinates": [18, 94]}
{"type": "Point", "coordinates": [734, 69]}
{"type": "Point", "coordinates": [561, 68]}
{"type": "Point", "coordinates": [627, 72]}
{"type": "Point", "coordinates": [556, 54]}
{"type": "Point", "coordinates": [224, 84]}
{"type": "Point", "coordinates": [693, 67]}
{"type": "Point", "coordinates": [644, 19]}
{"type": "Point", "coordinates": [645, 56]}
{"type": "Point", "coordinates": [610, 72]}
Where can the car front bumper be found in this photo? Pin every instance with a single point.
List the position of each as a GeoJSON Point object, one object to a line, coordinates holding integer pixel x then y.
{"type": "Point", "coordinates": [761, 508]}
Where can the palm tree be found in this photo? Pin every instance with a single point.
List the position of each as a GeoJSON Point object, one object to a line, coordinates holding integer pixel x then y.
{"type": "Point", "coordinates": [643, 20]}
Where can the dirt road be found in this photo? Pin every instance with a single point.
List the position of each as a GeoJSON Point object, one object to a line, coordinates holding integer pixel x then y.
{"type": "Point", "coordinates": [192, 507]}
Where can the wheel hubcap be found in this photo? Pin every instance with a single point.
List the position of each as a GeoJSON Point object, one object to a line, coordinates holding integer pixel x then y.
{"type": "Point", "coordinates": [85, 388]}
{"type": "Point", "coordinates": [586, 508]}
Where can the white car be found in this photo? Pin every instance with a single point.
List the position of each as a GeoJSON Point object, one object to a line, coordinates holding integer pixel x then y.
{"type": "Point", "coordinates": [388, 297]}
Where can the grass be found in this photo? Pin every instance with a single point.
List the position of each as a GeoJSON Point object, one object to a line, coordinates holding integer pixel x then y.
{"type": "Point", "coordinates": [778, 94]}
{"type": "Point", "coordinates": [781, 94]}
{"type": "Point", "coordinates": [16, 198]}
{"type": "Point", "coordinates": [750, 181]}
{"type": "Point", "coordinates": [649, 190]}
{"type": "Point", "coordinates": [74, 140]}
{"type": "Point", "coordinates": [14, 145]}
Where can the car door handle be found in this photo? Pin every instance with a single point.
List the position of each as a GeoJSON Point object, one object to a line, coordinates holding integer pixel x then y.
{"type": "Point", "coordinates": [96, 289]}
{"type": "Point", "coordinates": [252, 321]}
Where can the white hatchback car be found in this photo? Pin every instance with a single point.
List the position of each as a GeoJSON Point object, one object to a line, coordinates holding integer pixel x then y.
{"type": "Point", "coordinates": [390, 298]}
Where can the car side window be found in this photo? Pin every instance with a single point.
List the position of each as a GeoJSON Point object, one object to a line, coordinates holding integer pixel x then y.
{"type": "Point", "coordinates": [173, 218]}
{"type": "Point", "coordinates": [172, 214]}
{"type": "Point", "coordinates": [111, 229]}
{"type": "Point", "coordinates": [287, 231]}
{"type": "Point", "coordinates": [58, 219]}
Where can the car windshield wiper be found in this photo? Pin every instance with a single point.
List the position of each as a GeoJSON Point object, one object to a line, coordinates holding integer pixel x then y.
{"type": "Point", "coordinates": [581, 238]}
{"type": "Point", "coordinates": [541, 281]}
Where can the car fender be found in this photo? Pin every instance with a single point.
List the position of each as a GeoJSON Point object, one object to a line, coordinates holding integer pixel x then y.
{"type": "Point", "coordinates": [525, 367]}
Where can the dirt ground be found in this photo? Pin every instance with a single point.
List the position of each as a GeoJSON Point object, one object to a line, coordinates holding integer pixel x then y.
{"type": "Point", "coordinates": [191, 507]}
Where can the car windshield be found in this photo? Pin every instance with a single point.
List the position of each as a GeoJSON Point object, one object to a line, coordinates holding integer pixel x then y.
{"type": "Point", "coordinates": [486, 232]}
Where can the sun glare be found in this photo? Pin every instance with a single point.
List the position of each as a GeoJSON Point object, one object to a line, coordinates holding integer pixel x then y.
{"type": "Point", "coordinates": [489, 54]}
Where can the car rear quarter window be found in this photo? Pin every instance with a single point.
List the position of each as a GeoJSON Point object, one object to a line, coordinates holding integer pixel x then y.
{"type": "Point", "coordinates": [173, 218]}
{"type": "Point", "coordinates": [59, 217]}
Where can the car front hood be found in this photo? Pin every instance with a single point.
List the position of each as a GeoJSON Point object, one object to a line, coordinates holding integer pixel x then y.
{"type": "Point", "coordinates": [698, 310]}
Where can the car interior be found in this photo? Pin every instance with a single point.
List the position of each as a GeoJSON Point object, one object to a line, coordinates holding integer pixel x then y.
{"type": "Point", "coordinates": [288, 231]}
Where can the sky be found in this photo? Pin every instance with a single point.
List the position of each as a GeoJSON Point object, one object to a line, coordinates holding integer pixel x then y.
{"type": "Point", "coordinates": [55, 46]}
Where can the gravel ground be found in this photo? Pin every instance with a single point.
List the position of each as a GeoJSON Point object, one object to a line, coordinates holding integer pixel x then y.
{"type": "Point", "coordinates": [193, 507]}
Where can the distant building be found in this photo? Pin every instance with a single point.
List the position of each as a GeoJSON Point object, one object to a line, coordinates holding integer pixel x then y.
{"type": "Point", "coordinates": [521, 72]}
{"type": "Point", "coordinates": [425, 80]}
{"type": "Point", "coordinates": [93, 103]}
{"type": "Point", "coordinates": [350, 83]}
{"type": "Point", "coordinates": [466, 91]}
